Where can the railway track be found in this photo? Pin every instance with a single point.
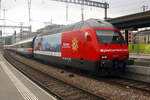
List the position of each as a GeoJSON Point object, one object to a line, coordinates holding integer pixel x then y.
{"type": "Point", "coordinates": [58, 88]}
{"type": "Point", "coordinates": [125, 85]}
{"type": "Point", "coordinates": [128, 83]}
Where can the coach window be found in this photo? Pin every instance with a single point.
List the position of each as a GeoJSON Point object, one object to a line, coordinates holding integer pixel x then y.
{"type": "Point", "coordinates": [85, 38]}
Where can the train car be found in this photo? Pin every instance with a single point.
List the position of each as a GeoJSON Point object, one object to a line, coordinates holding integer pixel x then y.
{"type": "Point", "coordinates": [92, 45]}
{"type": "Point", "coordinates": [23, 47]}
{"type": "Point", "coordinates": [7, 47]}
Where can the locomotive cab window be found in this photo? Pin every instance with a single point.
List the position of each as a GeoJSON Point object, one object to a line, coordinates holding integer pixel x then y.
{"type": "Point", "coordinates": [109, 37]}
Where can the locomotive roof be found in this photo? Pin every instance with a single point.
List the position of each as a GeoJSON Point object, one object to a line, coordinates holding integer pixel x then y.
{"type": "Point", "coordinates": [82, 24]}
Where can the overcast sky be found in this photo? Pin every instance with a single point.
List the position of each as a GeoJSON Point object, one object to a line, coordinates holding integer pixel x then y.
{"type": "Point", "coordinates": [45, 11]}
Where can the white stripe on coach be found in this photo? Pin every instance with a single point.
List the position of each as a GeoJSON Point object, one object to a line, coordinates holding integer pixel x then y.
{"type": "Point", "coordinates": [23, 90]}
{"type": "Point", "coordinates": [58, 54]}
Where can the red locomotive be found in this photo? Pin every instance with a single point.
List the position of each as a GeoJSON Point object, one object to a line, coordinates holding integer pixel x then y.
{"type": "Point", "coordinates": [93, 45]}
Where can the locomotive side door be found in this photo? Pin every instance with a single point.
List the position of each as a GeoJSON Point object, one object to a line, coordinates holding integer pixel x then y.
{"type": "Point", "coordinates": [88, 46]}
{"type": "Point", "coordinates": [84, 44]}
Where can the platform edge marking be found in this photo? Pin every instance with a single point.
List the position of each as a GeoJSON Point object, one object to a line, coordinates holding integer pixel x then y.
{"type": "Point", "coordinates": [23, 90]}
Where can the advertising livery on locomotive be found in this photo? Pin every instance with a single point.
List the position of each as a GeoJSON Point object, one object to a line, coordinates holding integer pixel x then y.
{"type": "Point", "coordinates": [93, 45]}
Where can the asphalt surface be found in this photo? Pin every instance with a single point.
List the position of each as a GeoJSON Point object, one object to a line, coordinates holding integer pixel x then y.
{"type": "Point", "coordinates": [15, 86]}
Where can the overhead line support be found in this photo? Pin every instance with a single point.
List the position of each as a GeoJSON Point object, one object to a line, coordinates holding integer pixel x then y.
{"type": "Point", "coordinates": [88, 3]}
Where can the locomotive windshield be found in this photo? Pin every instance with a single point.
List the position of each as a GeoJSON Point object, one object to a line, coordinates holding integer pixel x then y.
{"type": "Point", "coordinates": [109, 37]}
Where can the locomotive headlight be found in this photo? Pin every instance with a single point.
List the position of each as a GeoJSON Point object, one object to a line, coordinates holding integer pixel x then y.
{"type": "Point", "coordinates": [104, 57]}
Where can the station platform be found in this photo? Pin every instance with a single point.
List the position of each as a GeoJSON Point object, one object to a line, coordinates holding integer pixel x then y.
{"type": "Point", "coordinates": [141, 69]}
{"type": "Point", "coordinates": [139, 56]}
{"type": "Point", "coordinates": [139, 73]}
{"type": "Point", "coordinates": [141, 64]}
{"type": "Point", "coordinates": [15, 86]}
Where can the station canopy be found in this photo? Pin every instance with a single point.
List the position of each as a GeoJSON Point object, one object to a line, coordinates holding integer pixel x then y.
{"type": "Point", "coordinates": [133, 21]}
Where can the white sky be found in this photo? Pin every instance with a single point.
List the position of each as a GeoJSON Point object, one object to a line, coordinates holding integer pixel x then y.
{"type": "Point", "coordinates": [43, 11]}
